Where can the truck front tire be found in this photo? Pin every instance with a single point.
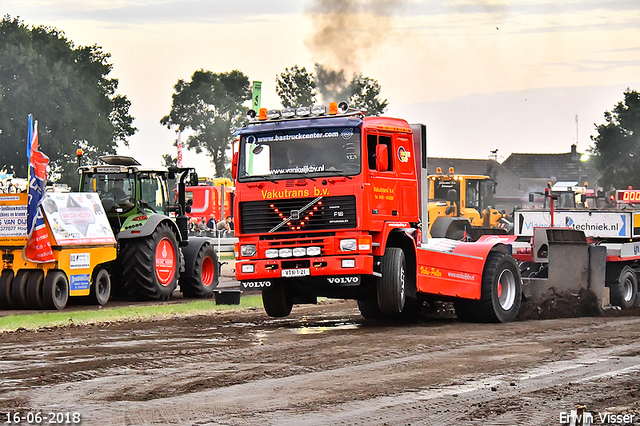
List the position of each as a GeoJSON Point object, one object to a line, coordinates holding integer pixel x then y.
{"type": "Point", "coordinates": [391, 286]}
{"type": "Point", "coordinates": [277, 299]}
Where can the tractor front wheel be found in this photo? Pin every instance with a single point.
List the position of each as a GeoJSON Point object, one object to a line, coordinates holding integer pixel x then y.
{"type": "Point", "coordinates": [205, 274]}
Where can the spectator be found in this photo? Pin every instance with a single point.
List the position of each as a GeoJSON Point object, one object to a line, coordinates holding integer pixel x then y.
{"type": "Point", "coordinates": [202, 225]}
{"type": "Point", "coordinates": [224, 227]}
{"type": "Point", "coordinates": [193, 224]}
{"type": "Point", "coordinates": [211, 223]}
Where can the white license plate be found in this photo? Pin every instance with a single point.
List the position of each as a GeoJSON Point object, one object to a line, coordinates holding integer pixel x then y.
{"type": "Point", "coordinates": [302, 272]}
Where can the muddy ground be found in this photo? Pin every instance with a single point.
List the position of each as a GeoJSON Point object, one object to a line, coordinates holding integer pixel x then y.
{"type": "Point", "coordinates": [324, 365]}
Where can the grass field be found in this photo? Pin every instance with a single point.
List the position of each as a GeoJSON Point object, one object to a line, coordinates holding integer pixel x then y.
{"type": "Point", "coordinates": [119, 314]}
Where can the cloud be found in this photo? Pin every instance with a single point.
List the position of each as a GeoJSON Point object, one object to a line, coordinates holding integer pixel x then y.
{"type": "Point", "coordinates": [152, 11]}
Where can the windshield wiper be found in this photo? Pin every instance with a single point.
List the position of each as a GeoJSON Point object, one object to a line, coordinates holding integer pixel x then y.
{"type": "Point", "coordinates": [251, 178]}
{"type": "Point", "coordinates": [297, 176]}
{"type": "Point", "coordinates": [340, 173]}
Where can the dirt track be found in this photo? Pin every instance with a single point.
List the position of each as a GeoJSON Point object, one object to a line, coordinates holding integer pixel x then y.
{"type": "Point", "coordinates": [325, 365]}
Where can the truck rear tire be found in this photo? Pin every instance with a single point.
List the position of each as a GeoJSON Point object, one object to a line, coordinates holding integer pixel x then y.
{"type": "Point", "coordinates": [6, 278]}
{"type": "Point", "coordinates": [150, 266]}
{"type": "Point", "coordinates": [501, 292]}
{"type": "Point", "coordinates": [19, 289]}
{"type": "Point", "coordinates": [391, 286]}
{"type": "Point", "coordinates": [34, 289]}
{"type": "Point", "coordinates": [625, 291]}
{"type": "Point", "coordinates": [101, 287]}
{"type": "Point", "coordinates": [205, 274]}
{"type": "Point", "coordinates": [55, 290]}
{"type": "Point", "coordinates": [277, 299]}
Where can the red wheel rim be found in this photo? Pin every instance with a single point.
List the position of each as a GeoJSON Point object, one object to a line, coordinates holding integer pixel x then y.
{"type": "Point", "coordinates": [208, 271]}
{"type": "Point", "coordinates": [165, 262]}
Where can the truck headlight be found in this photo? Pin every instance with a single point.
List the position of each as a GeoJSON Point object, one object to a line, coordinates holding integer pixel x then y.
{"type": "Point", "coordinates": [313, 251]}
{"type": "Point", "coordinates": [271, 253]}
{"type": "Point", "coordinates": [299, 252]}
{"type": "Point", "coordinates": [248, 268]}
{"type": "Point", "coordinates": [285, 252]}
{"type": "Point", "coordinates": [248, 250]}
{"type": "Point", "coordinates": [348, 245]}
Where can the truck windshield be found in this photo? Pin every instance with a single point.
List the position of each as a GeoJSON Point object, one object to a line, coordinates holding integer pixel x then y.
{"type": "Point", "coordinates": [311, 152]}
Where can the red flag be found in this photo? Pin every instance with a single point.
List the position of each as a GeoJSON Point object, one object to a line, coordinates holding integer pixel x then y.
{"type": "Point", "coordinates": [38, 248]}
{"type": "Point", "coordinates": [179, 147]}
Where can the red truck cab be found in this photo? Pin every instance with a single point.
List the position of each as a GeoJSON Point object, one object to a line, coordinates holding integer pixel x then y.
{"type": "Point", "coordinates": [316, 199]}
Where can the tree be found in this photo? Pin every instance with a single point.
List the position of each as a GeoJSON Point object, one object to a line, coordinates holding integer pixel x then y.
{"type": "Point", "coordinates": [66, 89]}
{"type": "Point", "coordinates": [365, 93]}
{"type": "Point", "coordinates": [169, 160]}
{"type": "Point", "coordinates": [296, 87]}
{"type": "Point", "coordinates": [617, 146]}
{"type": "Point", "coordinates": [332, 84]}
{"type": "Point", "coordinates": [210, 105]}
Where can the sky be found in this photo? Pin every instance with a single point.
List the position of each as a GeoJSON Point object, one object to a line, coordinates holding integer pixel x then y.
{"type": "Point", "coordinates": [519, 76]}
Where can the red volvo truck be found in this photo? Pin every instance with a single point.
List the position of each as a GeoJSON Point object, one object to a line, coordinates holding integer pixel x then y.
{"type": "Point", "coordinates": [329, 203]}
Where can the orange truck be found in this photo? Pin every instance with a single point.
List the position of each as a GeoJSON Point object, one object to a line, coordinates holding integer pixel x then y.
{"type": "Point", "coordinates": [331, 203]}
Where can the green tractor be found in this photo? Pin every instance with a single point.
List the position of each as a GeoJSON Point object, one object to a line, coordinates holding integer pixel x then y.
{"type": "Point", "coordinates": [155, 253]}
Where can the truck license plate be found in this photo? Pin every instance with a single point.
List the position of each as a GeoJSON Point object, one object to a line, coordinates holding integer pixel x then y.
{"type": "Point", "coordinates": [302, 272]}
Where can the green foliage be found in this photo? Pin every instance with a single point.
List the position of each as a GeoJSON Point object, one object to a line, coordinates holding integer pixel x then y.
{"type": "Point", "coordinates": [616, 148]}
{"type": "Point", "coordinates": [169, 160]}
{"type": "Point", "coordinates": [365, 93]}
{"type": "Point", "coordinates": [67, 90]}
{"type": "Point", "coordinates": [210, 105]}
{"type": "Point", "coordinates": [297, 87]}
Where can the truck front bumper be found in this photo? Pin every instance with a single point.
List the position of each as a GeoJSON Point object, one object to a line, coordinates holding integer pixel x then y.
{"type": "Point", "coordinates": [333, 270]}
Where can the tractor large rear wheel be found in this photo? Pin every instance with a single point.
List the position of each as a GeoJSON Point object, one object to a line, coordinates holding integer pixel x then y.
{"type": "Point", "coordinates": [150, 265]}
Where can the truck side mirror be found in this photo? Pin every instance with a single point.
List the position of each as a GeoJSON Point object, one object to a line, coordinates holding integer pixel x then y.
{"type": "Point", "coordinates": [452, 196]}
{"type": "Point", "coordinates": [234, 166]}
{"type": "Point", "coordinates": [531, 197]}
{"type": "Point", "coordinates": [382, 158]}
